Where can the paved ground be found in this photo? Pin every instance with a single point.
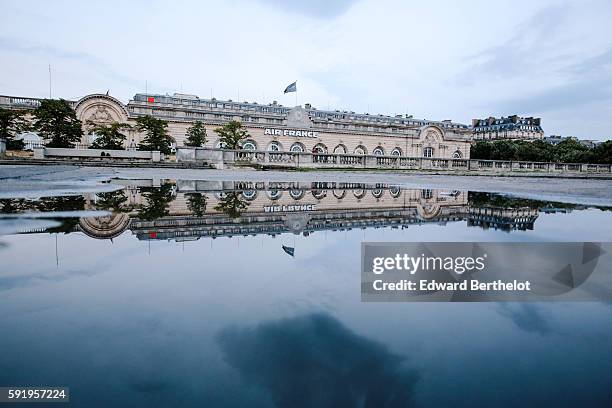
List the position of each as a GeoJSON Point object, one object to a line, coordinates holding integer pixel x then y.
{"type": "Point", "coordinates": [37, 181]}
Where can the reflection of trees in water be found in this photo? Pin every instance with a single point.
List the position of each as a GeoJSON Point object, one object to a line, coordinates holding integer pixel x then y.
{"type": "Point", "coordinates": [479, 199]}
{"type": "Point", "coordinates": [157, 201]}
{"type": "Point", "coordinates": [232, 204]}
{"type": "Point", "coordinates": [196, 203]}
{"type": "Point", "coordinates": [66, 203]}
{"type": "Point", "coordinates": [112, 201]}
{"type": "Point", "coordinates": [15, 205]}
{"type": "Point", "coordinates": [315, 361]}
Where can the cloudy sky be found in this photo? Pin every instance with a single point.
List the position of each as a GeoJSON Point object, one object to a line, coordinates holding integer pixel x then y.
{"type": "Point", "coordinates": [435, 60]}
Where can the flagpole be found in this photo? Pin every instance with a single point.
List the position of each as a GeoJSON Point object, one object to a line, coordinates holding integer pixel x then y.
{"type": "Point", "coordinates": [49, 81]}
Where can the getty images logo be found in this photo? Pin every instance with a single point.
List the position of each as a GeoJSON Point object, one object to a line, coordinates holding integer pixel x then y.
{"type": "Point", "coordinates": [412, 264]}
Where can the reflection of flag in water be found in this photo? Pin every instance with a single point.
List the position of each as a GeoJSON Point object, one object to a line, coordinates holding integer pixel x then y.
{"type": "Point", "coordinates": [289, 250]}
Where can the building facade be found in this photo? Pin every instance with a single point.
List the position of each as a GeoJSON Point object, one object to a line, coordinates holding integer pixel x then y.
{"type": "Point", "coordinates": [274, 127]}
{"type": "Point", "coordinates": [510, 128]}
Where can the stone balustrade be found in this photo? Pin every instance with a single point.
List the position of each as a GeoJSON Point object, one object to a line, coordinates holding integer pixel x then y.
{"type": "Point", "coordinates": [221, 158]}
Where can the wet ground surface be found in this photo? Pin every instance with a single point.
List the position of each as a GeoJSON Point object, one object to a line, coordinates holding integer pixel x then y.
{"type": "Point", "coordinates": [188, 288]}
{"type": "Point", "coordinates": [15, 180]}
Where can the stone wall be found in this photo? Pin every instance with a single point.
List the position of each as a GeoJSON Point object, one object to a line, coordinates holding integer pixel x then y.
{"type": "Point", "coordinates": [47, 152]}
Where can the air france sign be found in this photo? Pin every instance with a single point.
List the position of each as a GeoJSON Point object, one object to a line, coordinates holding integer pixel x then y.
{"type": "Point", "coordinates": [290, 132]}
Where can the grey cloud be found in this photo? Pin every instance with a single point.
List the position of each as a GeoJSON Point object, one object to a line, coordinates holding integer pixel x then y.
{"type": "Point", "coordinates": [99, 65]}
{"type": "Point", "coordinates": [324, 9]}
{"type": "Point", "coordinates": [315, 361]}
{"type": "Point", "coordinates": [520, 53]}
{"type": "Point", "coordinates": [588, 83]}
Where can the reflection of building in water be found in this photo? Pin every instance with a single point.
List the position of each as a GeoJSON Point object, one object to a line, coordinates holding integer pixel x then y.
{"type": "Point", "coordinates": [275, 208]}
{"type": "Point", "coordinates": [188, 210]}
{"type": "Point", "coordinates": [506, 219]}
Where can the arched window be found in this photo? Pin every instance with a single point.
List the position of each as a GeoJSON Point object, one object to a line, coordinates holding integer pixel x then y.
{"type": "Point", "coordinates": [219, 145]}
{"type": "Point", "coordinates": [396, 152]}
{"type": "Point", "coordinates": [297, 148]}
{"type": "Point", "coordinates": [360, 150]}
{"type": "Point", "coordinates": [457, 155]}
{"type": "Point", "coordinates": [274, 146]}
{"type": "Point", "coordinates": [249, 145]}
{"type": "Point", "coordinates": [319, 148]}
{"type": "Point", "coordinates": [377, 193]}
{"type": "Point", "coordinates": [378, 151]}
{"type": "Point", "coordinates": [428, 152]}
{"type": "Point", "coordinates": [395, 191]}
{"type": "Point", "coordinates": [340, 149]}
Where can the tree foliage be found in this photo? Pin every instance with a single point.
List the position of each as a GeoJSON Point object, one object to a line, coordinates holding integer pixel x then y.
{"type": "Point", "coordinates": [196, 203]}
{"type": "Point", "coordinates": [196, 135]}
{"type": "Point", "coordinates": [232, 204]}
{"type": "Point", "coordinates": [156, 134]}
{"type": "Point", "coordinates": [232, 134]}
{"type": "Point", "coordinates": [157, 202]}
{"type": "Point", "coordinates": [12, 122]}
{"type": "Point", "coordinates": [108, 136]}
{"type": "Point", "coordinates": [112, 201]}
{"type": "Point", "coordinates": [56, 122]}
{"type": "Point", "coordinates": [567, 151]}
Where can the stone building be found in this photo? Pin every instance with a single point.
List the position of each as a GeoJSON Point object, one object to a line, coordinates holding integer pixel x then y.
{"type": "Point", "coordinates": [510, 128]}
{"type": "Point", "coordinates": [274, 127]}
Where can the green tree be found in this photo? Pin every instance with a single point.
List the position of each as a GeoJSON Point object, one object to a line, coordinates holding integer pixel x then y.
{"type": "Point", "coordinates": [196, 203]}
{"type": "Point", "coordinates": [504, 150]}
{"type": "Point", "coordinates": [109, 136]}
{"type": "Point", "coordinates": [56, 122]}
{"type": "Point", "coordinates": [231, 134]}
{"type": "Point", "coordinates": [603, 153]}
{"type": "Point", "coordinates": [196, 135]}
{"type": "Point", "coordinates": [157, 201]}
{"type": "Point", "coordinates": [232, 204]}
{"type": "Point", "coordinates": [156, 134]}
{"type": "Point", "coordinates": [12, 122]}
{"type": "Point", "coordinates": [481, 150]}
{"type": "Point", "coordinates": [567, 151]}
{"type": "Point", "coordinates": [572, 151]}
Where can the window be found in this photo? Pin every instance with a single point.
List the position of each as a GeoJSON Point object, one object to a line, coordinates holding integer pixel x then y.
{"type": "Point", "coordinates": [340, 149]}
{"type": "Point", "coordinates": [396, 152]}
{"type": "Point", "coordinates": [360, 150]}
{"type": "Point", "coordinates": [457, 155]}
{"type": "Point", "coordinates": [428, 152]}
{"type": "Point", "coordinates": [297, 148]}
{"type": "Point", "coordinates": [249, 145]}
{"type": "Point", "coordinates": [378, 151]}
{"type": "Point", "coordinates": [274, 147]}
{"type": "Point", "coordinates": [319, 148]}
